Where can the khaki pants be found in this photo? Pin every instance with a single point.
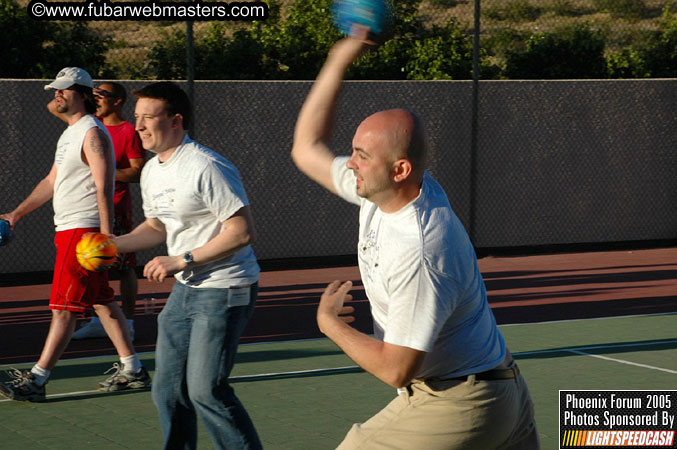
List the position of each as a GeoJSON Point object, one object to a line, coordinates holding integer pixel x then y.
{"type": "Point", "coordinates": [482, 415]}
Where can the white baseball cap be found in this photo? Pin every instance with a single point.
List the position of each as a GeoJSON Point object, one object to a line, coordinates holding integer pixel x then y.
{"type": "Point", "coordinates": [68, 76]}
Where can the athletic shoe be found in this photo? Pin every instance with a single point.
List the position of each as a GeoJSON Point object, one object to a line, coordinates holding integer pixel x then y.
{"type": "Point", "coordinates": [23, 387]}
{"type": "Point", "coordinates": [122, 379]}
{"type": "Point", "coordinates": [90, 330]}
{"type": "Point", "coordinates": [94, 329]}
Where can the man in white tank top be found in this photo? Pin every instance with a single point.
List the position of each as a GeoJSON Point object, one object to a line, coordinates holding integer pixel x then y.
{"type": "Point", "coordinates": [435, 338]}
{"type": "Point", "coordinates": [80, 184]}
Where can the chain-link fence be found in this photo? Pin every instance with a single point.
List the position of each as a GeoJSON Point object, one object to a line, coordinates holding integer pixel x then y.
{"type": "Point", "coordinates": [554, 162]}
{"type": "Point", "coordinates": [523, 162]}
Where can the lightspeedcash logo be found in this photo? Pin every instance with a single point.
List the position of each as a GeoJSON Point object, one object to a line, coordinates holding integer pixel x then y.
{"type": "Point", "coordinates": [617, 419]}
{"type": "Point", "coordinates": [618, 438]}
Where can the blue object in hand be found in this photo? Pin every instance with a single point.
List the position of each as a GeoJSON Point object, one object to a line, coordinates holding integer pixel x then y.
{"type": "Point", "coordinates": [6, 233]}
{"type": "Point", "coordinates": [375, 14]}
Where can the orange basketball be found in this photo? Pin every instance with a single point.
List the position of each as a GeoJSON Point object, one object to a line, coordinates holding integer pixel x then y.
{"type": "Point", "coordinates": [96, 252]}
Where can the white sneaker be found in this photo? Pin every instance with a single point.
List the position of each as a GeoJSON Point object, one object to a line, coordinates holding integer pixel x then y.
{"type": "Point", "coordinates": [92, 329]}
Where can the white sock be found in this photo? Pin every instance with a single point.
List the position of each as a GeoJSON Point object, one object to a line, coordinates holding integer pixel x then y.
{"type": "Point", "coordinates": [131, 363]}
{"type": "Point", "coordinates": [96, 321]}
{"type": "Point", "coordinates": [41, 375]}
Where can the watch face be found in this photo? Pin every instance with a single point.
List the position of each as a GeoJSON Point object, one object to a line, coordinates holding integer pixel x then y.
{"type": "Point", "coordinates": [188, 257]}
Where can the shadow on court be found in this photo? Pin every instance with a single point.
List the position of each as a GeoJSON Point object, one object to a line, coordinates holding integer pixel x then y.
{"type": "Point", "coordinates": [575, 310]}
{"type": "Point", "coordinates": [87, 369]}
{"type": "Point", "coordinates": [281, 355]}
{"type": "Point", "coordinates": [91, 395]}
{"type": "Point", "coordinates": [544, 279]}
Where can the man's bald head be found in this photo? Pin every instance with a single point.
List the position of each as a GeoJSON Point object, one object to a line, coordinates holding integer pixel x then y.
{"type": "Point", "coordinates": [400, 134]}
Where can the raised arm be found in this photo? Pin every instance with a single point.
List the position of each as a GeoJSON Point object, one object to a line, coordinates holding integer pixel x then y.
{"type": "Point", "coordinates": [310, 151]}
{"type": "Point", "coordinates": [97, 151]}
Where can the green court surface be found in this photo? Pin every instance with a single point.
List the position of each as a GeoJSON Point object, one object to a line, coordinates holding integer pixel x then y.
{"type": "Point", "coordinates": [306, 394]}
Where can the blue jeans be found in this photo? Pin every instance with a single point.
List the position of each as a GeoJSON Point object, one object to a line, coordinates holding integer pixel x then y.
{"type": "Point", "coordinates": [198, 334]}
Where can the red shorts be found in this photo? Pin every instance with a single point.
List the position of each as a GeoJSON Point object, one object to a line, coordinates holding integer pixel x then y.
{"type": "Point", "coordinates": [74, 288]}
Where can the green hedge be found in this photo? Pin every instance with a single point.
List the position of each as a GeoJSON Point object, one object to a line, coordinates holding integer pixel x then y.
{"type": "Point", "coordinates": [293, 46]}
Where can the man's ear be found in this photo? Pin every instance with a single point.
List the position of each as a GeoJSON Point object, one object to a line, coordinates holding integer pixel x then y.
{"type": "Point", "coordinates": [402, 168]}
{"type": "Point", "coordinates": [177, 121]}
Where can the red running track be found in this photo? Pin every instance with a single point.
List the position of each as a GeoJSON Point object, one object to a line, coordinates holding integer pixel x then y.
{"type": "Point", "coordinates": [521, 290]}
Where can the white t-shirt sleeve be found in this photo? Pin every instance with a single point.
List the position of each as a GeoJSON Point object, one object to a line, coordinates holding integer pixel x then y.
{"type": "Point", "coordinates": [148, 211]}
{"type": "Point", "coordinates": [344, 180]}
{"type": "Point", "coordinates": [221, 190]}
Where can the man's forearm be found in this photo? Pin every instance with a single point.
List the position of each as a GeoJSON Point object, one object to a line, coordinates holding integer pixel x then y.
{"type": "Point", "coordinates": [129, 175]}
{"type": "Point", "coordinates": [238, 232]}
{"type": "Point", "coordinates": [40, 195]}
{"type": "Point", "coordinates": [142, 237]}
{"type": "Point", "coordinates": [393, 365]}
{"type": "Point", "coordinates": [105, 204]}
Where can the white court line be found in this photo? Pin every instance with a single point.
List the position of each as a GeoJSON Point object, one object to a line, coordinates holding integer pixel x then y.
{"type": "Point", "coordinates": [310, 372]}
{"type": "Point", "coordinates": [2, 366]}
{"type": "Point", "coordinates": [595, 347]}
{"type": "Point", "coordinates": [622, 361]}
{"type": "Point", "coordinates": [63, 394]}
{"type": "Point", "coordinates": [348, 368]}
{"type": "Point", "coordinates": [296, 372]}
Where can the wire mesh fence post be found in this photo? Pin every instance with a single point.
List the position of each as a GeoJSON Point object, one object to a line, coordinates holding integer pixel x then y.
{"type": "Point", "coordinates": [190, 74]}
{"type": "Point", "coordinates": [474, 120]}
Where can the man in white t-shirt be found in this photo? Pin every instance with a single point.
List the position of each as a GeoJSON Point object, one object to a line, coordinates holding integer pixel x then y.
{"type": "Point", "coordinates": [195, 202]}
{"type": "Point", "coordinates": [435, 337]}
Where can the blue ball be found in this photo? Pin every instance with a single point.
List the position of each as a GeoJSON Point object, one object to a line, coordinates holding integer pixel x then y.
{"type": "Point", "coordinates": [6, 234]}
{"type": "Point", "coordinates": [375, 14]}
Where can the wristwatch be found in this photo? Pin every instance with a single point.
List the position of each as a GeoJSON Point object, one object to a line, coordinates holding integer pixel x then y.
{"type": "Point", "coordinates": [188, 259]}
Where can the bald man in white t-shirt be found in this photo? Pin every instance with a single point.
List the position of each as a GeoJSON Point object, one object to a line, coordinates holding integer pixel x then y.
{"type": "Point", "coordinates": [435, 337]}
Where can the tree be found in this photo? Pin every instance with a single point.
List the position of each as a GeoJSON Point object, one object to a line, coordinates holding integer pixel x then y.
{"type": "Point", "coordinates": [294, 46]}
{"type": "Point", "coordinates": [37, 49]}
{"type": "Point", "coordinates": [77, 44]}
{"type": "Point", "coordinates": [21, 44]}
{"type": "Point", "coordinates": [167, 58]}
{"type": "Point", "coordinates": [653, 55]}
{"type": "Point", "coordinates": [298, 43]}
{"type": "Point", "coordinates": [568, 52]}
